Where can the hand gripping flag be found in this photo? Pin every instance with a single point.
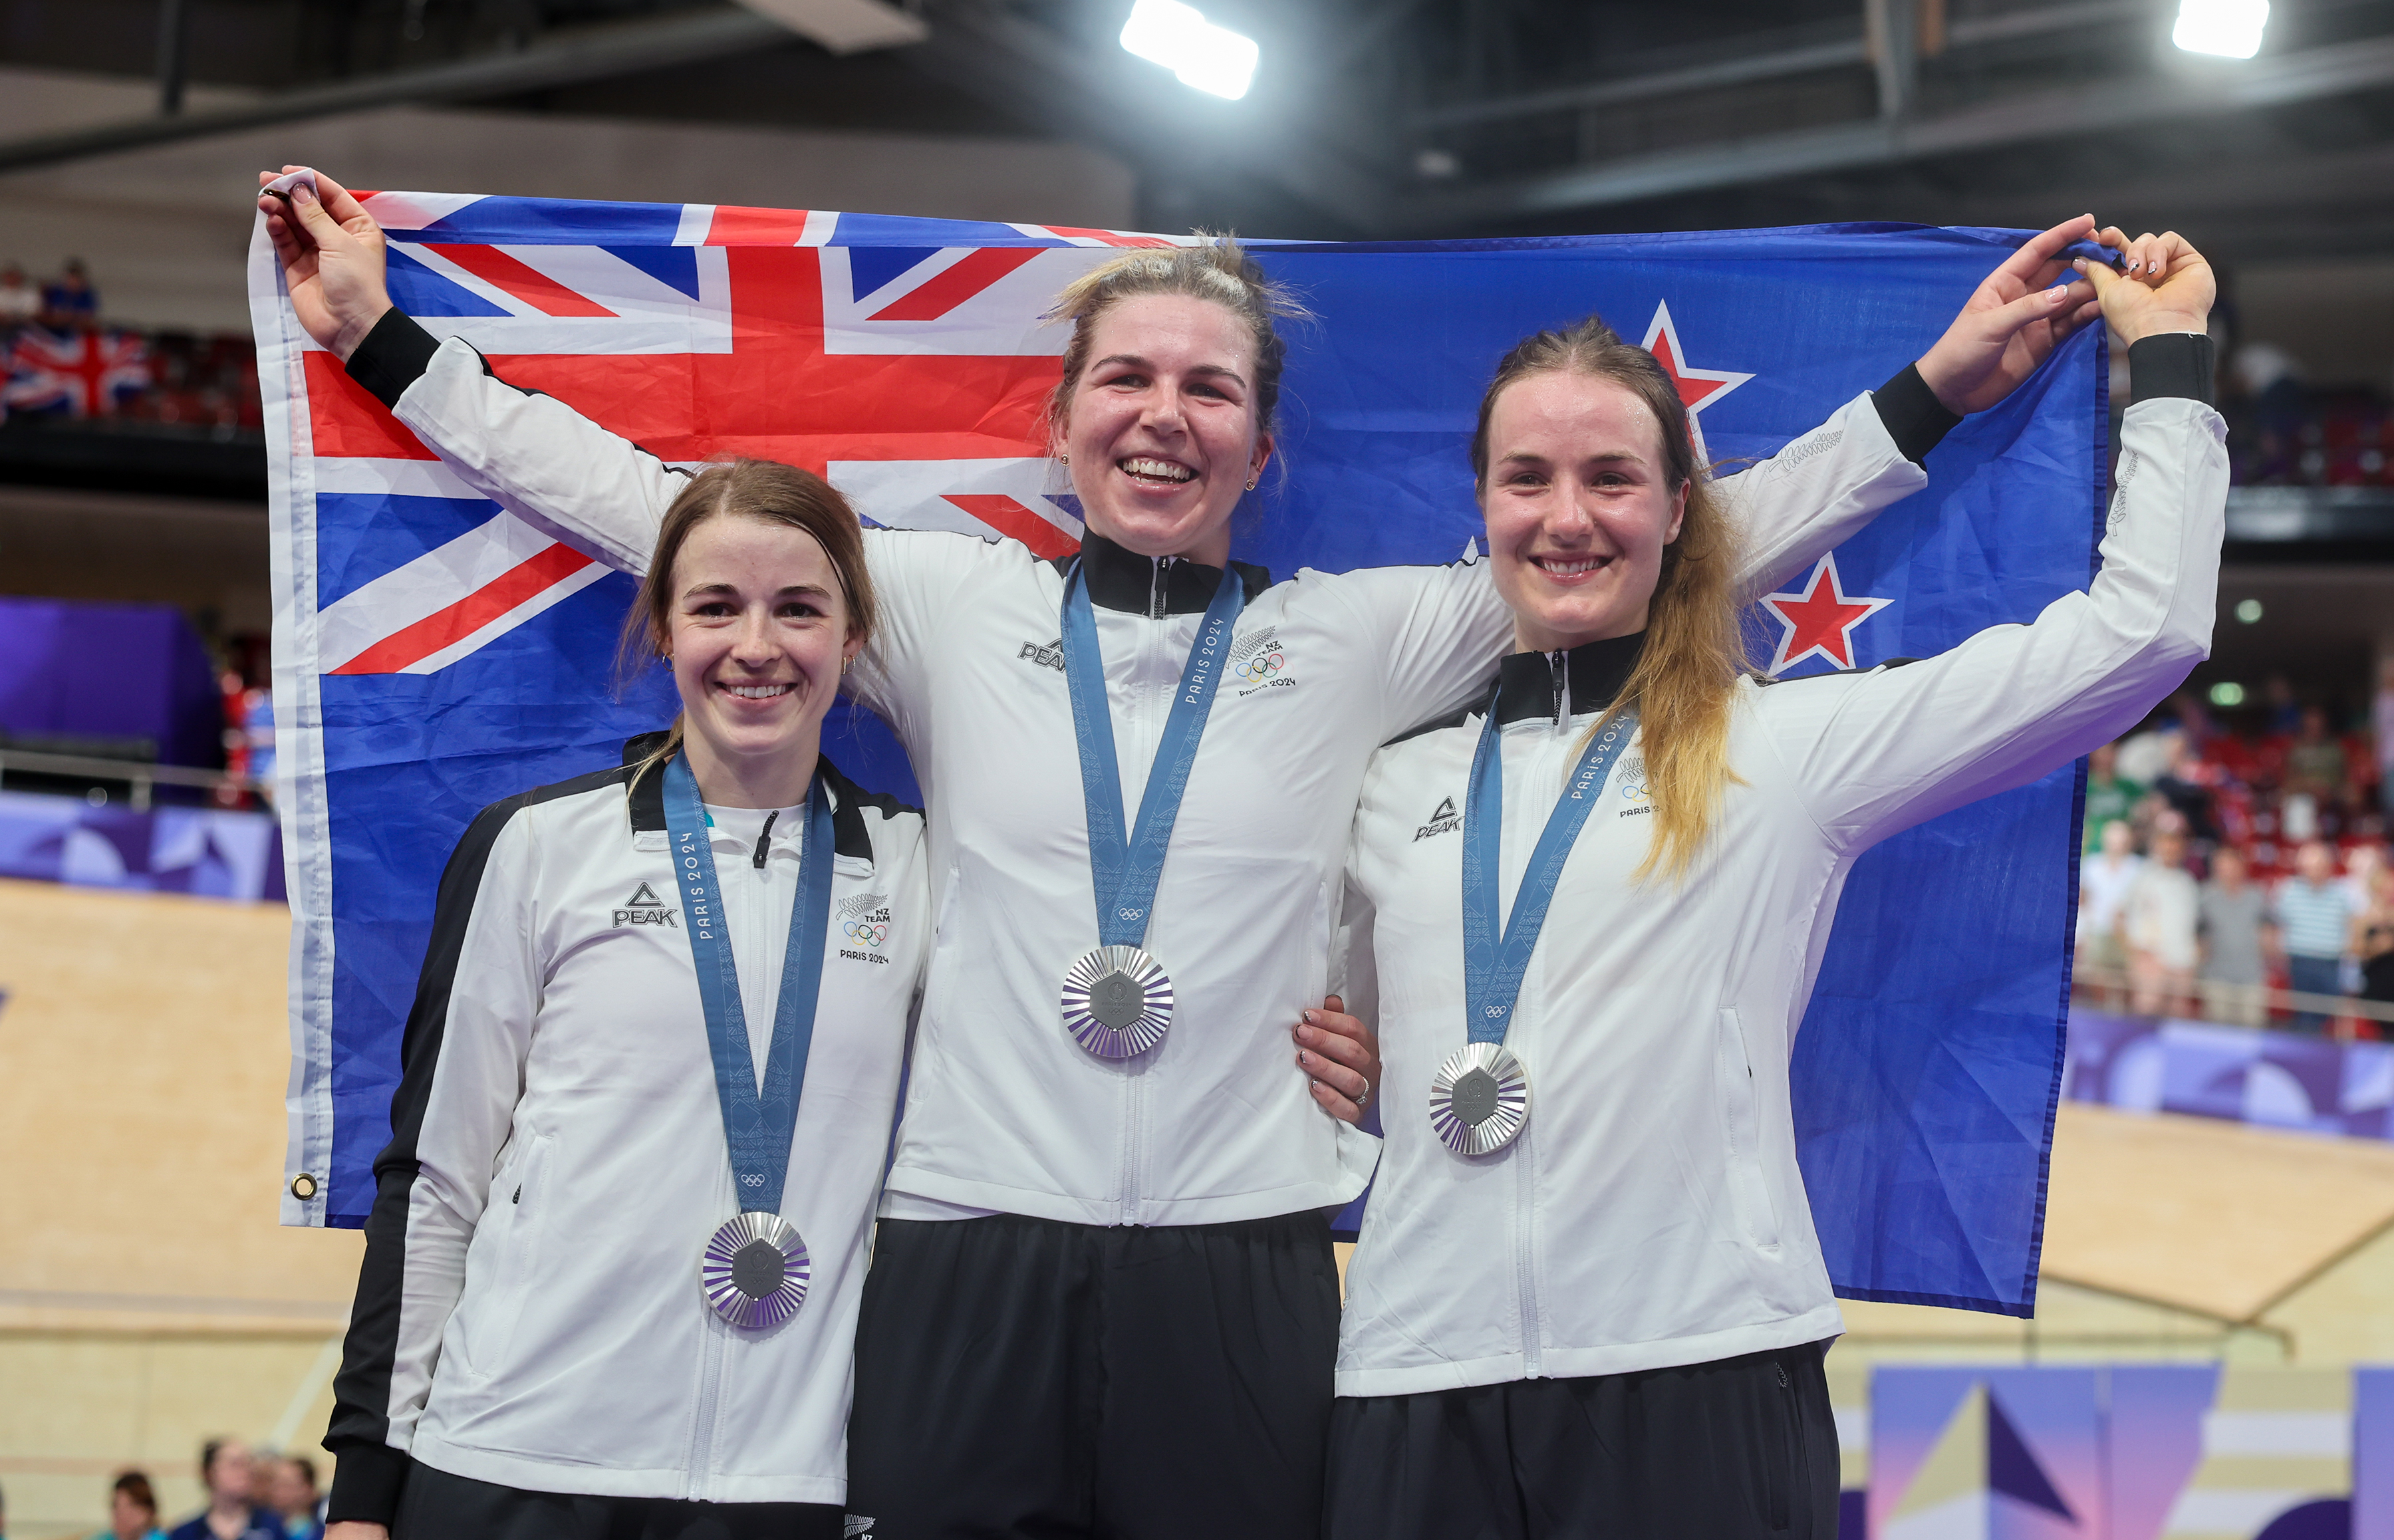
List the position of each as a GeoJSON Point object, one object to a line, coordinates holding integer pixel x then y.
{"type": "Point", "coordinates": [435, 652]}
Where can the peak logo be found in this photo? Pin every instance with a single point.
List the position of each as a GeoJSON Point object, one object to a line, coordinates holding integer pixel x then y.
{"type": "Point", "coordinates": [1049, 656]}
{"type": "Point", "coordinates": [1443, 820]}
{"type": "Point", "coordinates": [645, 908]}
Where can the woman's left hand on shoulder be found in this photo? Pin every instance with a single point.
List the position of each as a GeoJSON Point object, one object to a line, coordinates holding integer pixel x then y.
{"type": "Point", "coordinates": [1343, 1057]}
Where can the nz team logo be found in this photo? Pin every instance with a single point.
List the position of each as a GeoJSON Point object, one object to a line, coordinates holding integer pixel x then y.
{"type": "Point", "coordinates": [1255, 664]}
{"type": "Point", "coordinates": [1636, 795]}
{"type": "Point", "coordinates": [645, 908]}
{"type": "Point", "coordinates": [861, 925]}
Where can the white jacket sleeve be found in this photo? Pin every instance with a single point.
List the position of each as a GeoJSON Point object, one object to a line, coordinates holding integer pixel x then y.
{"type": "Point", "coordinates": [1807, 499]}
{"type": "Point", "coordinates": [1874, 752]}
{"type": "Point", "coordinates": [467, 1038]}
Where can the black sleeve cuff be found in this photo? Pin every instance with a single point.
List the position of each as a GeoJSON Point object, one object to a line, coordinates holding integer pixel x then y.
{"type": "Point", "coordinates": [1916, 419]}
{"type": "Point", "coordinates": [2173, 363]}
{"type": "Point", "coordinates": [393, 356]}
{"type": "Point", "coordinates": [366, 1477]}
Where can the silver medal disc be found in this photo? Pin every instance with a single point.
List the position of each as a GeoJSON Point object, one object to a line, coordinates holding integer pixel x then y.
{"type": "Point", "coordinates": [1480, 1099]}
{"type": "Point", "coordinates": [754, 1270]}
{"type": "Point", "coordinates": [1117, 1002]}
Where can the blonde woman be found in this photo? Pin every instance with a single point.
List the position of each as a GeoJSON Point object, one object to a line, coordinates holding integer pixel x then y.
{"type": "Point", "coordinates": [1103, 1298]}
{"type": "Point", "coordinates": [1587, 1299]}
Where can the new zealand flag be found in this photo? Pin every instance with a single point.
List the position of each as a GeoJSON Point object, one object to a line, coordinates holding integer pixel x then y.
{"type": "Point", "coordinates": [434, 653]}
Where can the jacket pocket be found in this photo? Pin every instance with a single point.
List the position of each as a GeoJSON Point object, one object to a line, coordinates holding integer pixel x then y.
{"type": "Point", "coordinates": [1742, 1120]}
{"type": "Point", "coordinates": [518, 1205]}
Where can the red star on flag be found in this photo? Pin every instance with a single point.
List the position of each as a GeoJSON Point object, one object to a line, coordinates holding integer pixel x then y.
{"type": "Point", "coordinates": [1697, 388]}
{"type": "Point", "coordinates": [1820, 619]}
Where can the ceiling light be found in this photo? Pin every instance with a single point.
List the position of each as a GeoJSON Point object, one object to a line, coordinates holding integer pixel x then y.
{"type": "Point", "coordinates": [2248, 609]}
{"type": "Point", "coordinates": [1179, 38]}
{"type": "Point", "coordinates": [2227, 692]}
{"type": "Point", "coordinates": [2229, 28]}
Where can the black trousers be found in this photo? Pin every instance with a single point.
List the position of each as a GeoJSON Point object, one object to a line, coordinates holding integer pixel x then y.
{"type": "Point", "coordinates": [1742, 1447]}
{"type": "Point", "coordinates": [434, 1504]}
{"type": "Point", "coordinates": [1021, 1377]}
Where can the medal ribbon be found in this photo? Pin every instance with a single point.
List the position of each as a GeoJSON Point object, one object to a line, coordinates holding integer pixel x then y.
{"type": "Point", "coordinates": [1124, 872]}
{"type": "Point", "coordinates": [1492, 967]}
{"type": "Point", "coordinates": [756, 1123]}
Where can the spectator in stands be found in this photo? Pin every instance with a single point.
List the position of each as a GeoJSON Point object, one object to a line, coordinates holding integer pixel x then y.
{"type": "Point", "coordinates": [294, 1496]}
{"type": "Point", "coordinates": [19, 301]}
{"type": "Point", "coordinates": [2103, 882]}
{"type": "Point", "coordinates": [2281, 713]}
{"type": "Point", "coordinates": [2185, 784]}
{"type": "Point", "coordinates": [132, 1510]}
{"type": "Point", "coordinates": [225, 1470]}
{"type": "Point", "coordinates": [2381, 717]}
{"type": "Point", "coordinates": [2373, 938]}
{"type": "Point", "coordinates": [2313, 916]}
{"type": "Point", "coordinates": [68, 302]}
{"type": "Point", "coordinates": [2111, 797]}
{"type": "Point", "coordinates": [2157, 921]}
{"type": "Point", "coordinates": [2315, 760]}
{"type": "Point", "coordinates": [2230, 918]}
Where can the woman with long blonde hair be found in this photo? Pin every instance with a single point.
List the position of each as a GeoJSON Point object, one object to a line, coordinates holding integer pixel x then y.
{"type": "Point", "coordinates": [1587, 1298]}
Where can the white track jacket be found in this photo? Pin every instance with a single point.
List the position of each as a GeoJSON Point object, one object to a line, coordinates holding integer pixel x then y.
{"type": "Point", "coordinates": [1003, 1111]}
{"type": "Point", "coordinates": [1651, 1212]}
{"type": "Point", "coordinates": [529, 1309]}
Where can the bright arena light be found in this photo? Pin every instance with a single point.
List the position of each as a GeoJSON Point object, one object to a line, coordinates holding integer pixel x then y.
{"type": "Point", "coordinates": [1204, 56]}
{"type": "Point", "coordinates": [2229, 28]}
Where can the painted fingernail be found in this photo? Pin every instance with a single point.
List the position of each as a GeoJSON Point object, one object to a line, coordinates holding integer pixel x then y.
{"type": "Point", "coordinates": [1309, 1017]}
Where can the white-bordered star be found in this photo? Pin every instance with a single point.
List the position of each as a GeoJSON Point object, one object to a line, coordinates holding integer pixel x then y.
{"type": "Point", "coordinates": [1697, 388]}
{"type": "Point", "coordinates": [1820, 619]}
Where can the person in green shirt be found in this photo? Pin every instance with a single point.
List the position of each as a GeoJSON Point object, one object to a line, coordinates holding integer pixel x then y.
{"type": "Point", "coordinates": [2107, 797]}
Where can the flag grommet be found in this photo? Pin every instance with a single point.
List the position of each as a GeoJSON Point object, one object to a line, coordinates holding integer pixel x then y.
{"type": "Point", "coordinates": [302, 1187]}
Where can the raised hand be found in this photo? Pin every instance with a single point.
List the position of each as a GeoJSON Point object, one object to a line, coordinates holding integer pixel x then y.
{"type": "Point", "coordinates": [2013, 321]}
{"type": "Point", "coordinates": [2164, 285]}
{"type": "Point", "coordinates": [1343, 1057]}
{"type": "Point", "coordinates": [332, 256]}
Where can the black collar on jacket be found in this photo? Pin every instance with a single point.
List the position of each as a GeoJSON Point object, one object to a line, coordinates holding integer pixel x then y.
{"type": "Point", "coordinates": [1590, 676]}
{"type": "Point", "coordinates": [1125, 580]}
{"type": "Point", "coordinates": [849, 834]}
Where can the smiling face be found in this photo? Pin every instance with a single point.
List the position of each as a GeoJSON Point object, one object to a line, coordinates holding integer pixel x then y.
{"type": "Point", "coordinates": [758, 633]}
{"type": "Point", "coordinates": [1161, 429]}
{"type": "Point", "coordinates": [1580, 505]}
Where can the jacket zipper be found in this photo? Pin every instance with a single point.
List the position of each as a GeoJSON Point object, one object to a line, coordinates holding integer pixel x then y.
{"type": "Point", "coordinates": [1525, 1152]}
{"type": "Point", "coordinates": [1157, 582]}
{"type": "Point", "coordinates": [1133, 1166]}
{"type": "Point", "coordinates": [1558, 663]}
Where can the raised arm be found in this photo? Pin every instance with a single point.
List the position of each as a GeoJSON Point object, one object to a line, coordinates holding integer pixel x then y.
{"type": "Point", "coordinates": [1812, 495]}
{"type": "Point", "coordinates": [1875, 752]}
{"type": "Point", "coordinates": [530, 454]}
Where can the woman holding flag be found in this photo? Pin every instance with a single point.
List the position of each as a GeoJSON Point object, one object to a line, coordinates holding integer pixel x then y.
{"type": "Point", "coordinates": [1587, 1298]}
{"type": "Point", "coordinates": [1103, 1298]}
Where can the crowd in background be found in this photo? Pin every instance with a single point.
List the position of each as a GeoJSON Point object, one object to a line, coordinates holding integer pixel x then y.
{"type": "Point", "coordinates": [252, 1494]}
{"type": "Point", "coordinates": [2222, 864]}
{"type": "Point", "coordinates": [60, 360]}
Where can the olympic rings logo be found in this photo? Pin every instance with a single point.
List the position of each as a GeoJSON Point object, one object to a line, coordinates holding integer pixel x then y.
{"type": "Point", "coordinates": [868, 932]}
{"type": "Point", "coordinates": [1263, 666]}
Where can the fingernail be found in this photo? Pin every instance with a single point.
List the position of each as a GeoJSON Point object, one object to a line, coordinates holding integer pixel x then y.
{"type": "Point", "coordinates": [1309, 1017]}
{"type": "Point", "coordinates": [303, 192]}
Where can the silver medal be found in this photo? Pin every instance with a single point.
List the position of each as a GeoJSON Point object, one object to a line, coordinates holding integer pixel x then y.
{"type": "Point", "coordinates": [1117, 1002]}
{"type": "Point", "coordinates": [754, 1270]}
{"type": "Point", "coordinates": [1480, 1099]}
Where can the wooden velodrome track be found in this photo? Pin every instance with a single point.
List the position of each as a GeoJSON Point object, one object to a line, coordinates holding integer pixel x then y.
{"type": "Point", "coordinates": [148, 1299]}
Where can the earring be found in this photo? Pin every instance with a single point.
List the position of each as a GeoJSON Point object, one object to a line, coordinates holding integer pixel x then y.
{"type": "Point", "coordinates": [1063, 459]}
{"type": "Point", "coordinates": [1252, 481]}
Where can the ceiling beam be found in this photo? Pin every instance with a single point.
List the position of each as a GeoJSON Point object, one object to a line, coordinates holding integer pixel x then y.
{"type": "Point", "coordinates": [2077, 110]}
{"type": "Point", "coordinates": [562, 59]}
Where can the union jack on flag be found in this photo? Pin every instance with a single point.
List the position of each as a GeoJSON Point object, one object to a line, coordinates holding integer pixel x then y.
{"type": "Point", "coordinates": [436, 649]}
{"type": "Point", "coordinates": [80, 374]}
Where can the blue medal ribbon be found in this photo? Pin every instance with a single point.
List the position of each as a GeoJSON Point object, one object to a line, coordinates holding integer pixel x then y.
{"type": "Point", "coordinates": [1493, 967]}
{"type": "Point", "coordinates": [757, 1123]}
{"type": "Point", "coordinates": [1124, 872]}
